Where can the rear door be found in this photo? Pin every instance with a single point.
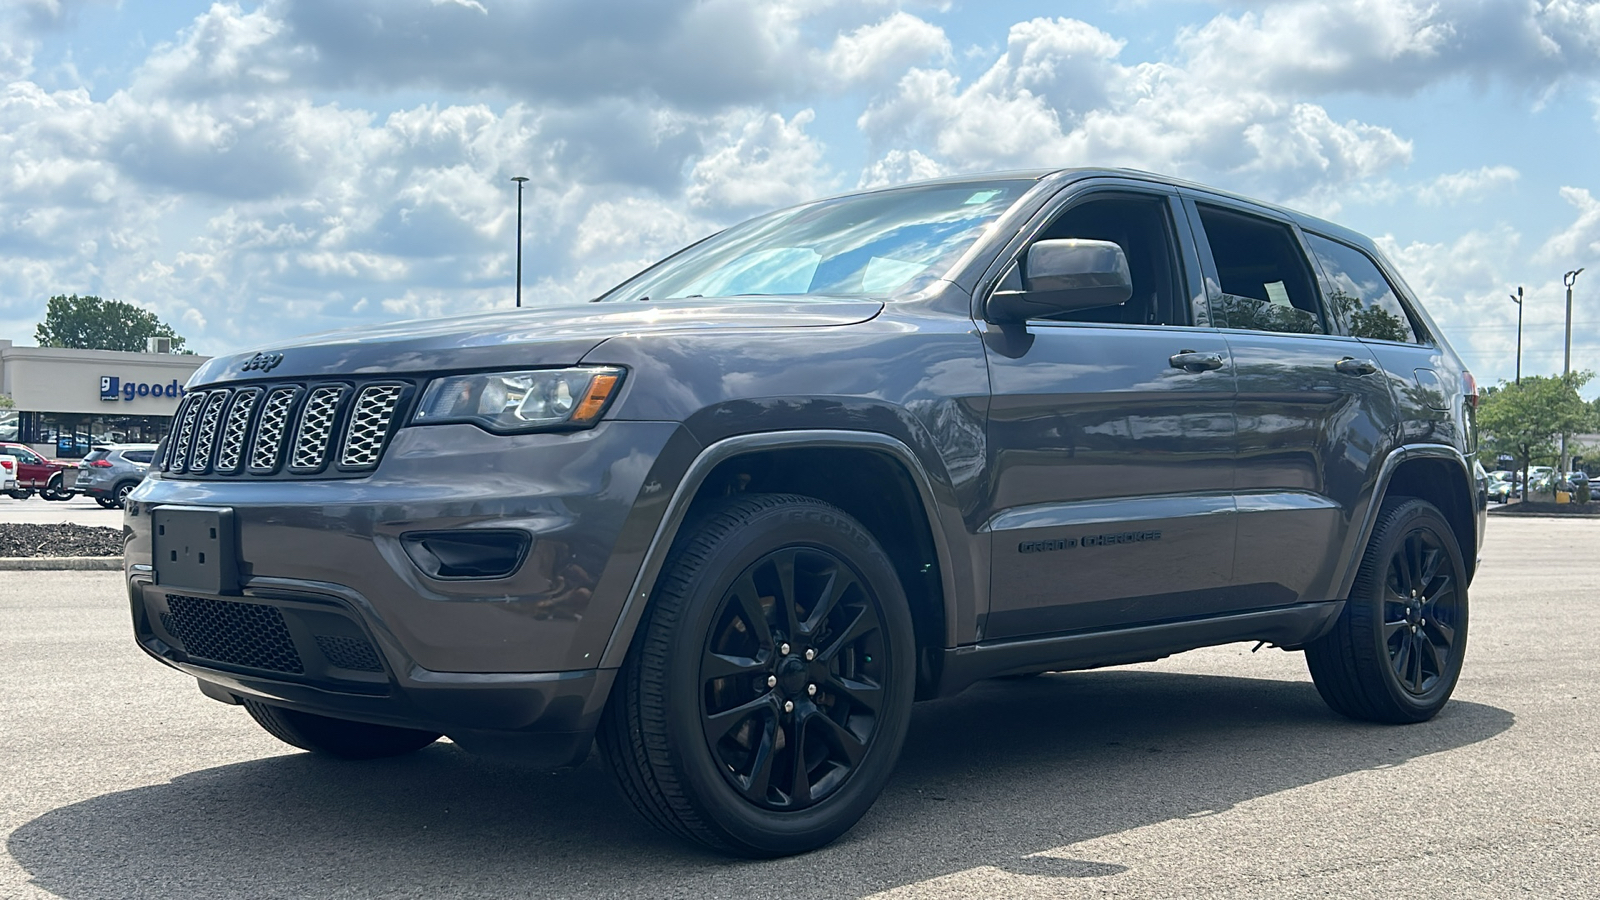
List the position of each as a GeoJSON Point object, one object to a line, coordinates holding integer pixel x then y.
{"type": "Point", "coordinates": [1314, 414]}
{"type": "Point", "coordinates": [1111, 438]}
{"type": "Point", "coordinates": [1424, 382]}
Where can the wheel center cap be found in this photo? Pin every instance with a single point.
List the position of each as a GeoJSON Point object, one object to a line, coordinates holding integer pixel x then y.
{"type": "Point", "coordinates": [792, 675]}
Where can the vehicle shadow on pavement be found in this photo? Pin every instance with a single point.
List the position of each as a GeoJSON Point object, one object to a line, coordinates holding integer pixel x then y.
{"type": "Point", "coordinates": [1004, 771]}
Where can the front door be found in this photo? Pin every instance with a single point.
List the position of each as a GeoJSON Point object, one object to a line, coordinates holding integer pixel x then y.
{"type": "Point", "coordinates": [1111, 444]}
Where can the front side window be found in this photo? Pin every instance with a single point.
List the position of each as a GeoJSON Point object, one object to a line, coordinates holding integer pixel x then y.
{"type": "Point", "coordinates": [1141, 226]}
{"type": "Point", "coordinates": [879, 244]}
{"type": "Point", "coordinates": [138, 456]}
{"type": "Point", "coordinates": [1265, 280]}
{"type": "Point", "coordinates": [1359, 294]}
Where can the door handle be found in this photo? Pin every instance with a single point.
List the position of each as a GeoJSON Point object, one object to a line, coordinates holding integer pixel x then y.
{"type": "Point", "coordinates": [1352, 366]}
{"type": "Point", "coordinates": [1190, 361]}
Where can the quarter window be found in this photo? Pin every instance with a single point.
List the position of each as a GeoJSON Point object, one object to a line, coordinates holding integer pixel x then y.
{"type": "Point", "coordinates": [1265, 280]}
{"type": "Point", "coordinates": [1359, 294]}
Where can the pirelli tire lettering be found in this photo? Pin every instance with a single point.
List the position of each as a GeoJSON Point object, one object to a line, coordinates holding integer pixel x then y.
{"type": "Point", "coordinates": [1094, 540]}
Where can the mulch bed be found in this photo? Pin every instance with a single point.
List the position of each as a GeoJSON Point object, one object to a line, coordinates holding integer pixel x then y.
{"type": "Point", "coordinates": [59, 540]}
{"type": "Point", "coordinates": [1536, 508]}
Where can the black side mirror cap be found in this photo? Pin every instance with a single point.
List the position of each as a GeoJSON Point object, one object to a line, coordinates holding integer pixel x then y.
{"type": "Point", "coordinates": [1062, 276]}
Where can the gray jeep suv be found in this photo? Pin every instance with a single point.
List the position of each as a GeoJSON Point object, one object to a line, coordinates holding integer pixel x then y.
{"type": "Point", "coordinates": [729, 520]}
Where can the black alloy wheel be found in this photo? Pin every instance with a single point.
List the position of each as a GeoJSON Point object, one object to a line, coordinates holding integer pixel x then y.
{"type": "Point", "coordinates": [792, 678]}
{"type": "Point", "coordinates": [1421, 611]}
{"type": "Point", "coordinates": [768, 690]}
{"type": "Point", "coordinates": [1395, 652]}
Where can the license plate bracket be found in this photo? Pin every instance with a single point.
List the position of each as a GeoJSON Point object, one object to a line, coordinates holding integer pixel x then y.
{"type": "Point", "coordinates": [194, 549]}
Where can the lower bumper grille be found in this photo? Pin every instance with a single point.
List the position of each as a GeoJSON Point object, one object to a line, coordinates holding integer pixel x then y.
{"type": "Point", "coordinates": [233, 633]}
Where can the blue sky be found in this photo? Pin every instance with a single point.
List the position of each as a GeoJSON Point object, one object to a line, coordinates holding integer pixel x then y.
{"type": "Point", "coordinates": [256, 170]}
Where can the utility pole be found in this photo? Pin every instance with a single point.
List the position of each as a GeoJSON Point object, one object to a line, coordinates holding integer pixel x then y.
{"type": "Point", "coordinates": [521, 179]}
{"type": "Point", "coordinates": [1566, 368]}
{"type": "Point", "coordinates": [1517, 299]}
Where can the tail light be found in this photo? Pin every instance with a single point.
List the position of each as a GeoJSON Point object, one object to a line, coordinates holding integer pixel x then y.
{"type": "Point", "coordinates": [106, 464]}
{"type": "Point", "coordinates": [1469, 388]}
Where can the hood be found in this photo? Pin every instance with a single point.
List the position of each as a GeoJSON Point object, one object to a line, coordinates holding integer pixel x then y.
{"type": "Point", "coordinates": [546, 336]}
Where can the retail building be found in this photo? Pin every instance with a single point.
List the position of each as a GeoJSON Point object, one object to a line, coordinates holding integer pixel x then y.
{"type": "Point", "coordinates": [63, 401]}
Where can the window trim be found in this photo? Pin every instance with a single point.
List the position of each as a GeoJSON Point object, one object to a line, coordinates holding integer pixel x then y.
{"type": "Point", "coordinates": [1186, 271]}
{"type": "Point", "coordinates": [1423, 334]}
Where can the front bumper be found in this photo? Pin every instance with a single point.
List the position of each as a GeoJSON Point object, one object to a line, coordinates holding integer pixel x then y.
{"type": "Point", "coordinates": [508, 662]}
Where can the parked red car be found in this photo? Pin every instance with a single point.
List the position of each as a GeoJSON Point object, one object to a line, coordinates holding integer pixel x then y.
{"type": "Point", "coordinates": [35, 473]}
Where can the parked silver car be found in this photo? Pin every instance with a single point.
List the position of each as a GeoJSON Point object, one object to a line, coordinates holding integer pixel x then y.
{"type": "Point", "coordinates": [111, 471]}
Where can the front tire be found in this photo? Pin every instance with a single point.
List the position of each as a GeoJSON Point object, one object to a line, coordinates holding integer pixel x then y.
{"type": "Point", "coordinates": [1395, 653]}
{"type": "Point", "coordinates": [768, 693]}
{"type": "Point", "coordinates": [337, 737]}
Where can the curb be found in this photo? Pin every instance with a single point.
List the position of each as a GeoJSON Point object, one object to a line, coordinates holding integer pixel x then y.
{"type": "Point", "coordinates": [60, 563]}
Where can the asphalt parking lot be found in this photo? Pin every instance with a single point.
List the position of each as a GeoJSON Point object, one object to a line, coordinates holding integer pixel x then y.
{"type": "Point", "coordinates": [80, 510]}
{"type": "Point", "coordinates": [1214, 774]}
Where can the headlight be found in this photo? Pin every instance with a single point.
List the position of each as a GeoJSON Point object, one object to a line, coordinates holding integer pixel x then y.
{"type": "Point", "coordinates": [514, 402]}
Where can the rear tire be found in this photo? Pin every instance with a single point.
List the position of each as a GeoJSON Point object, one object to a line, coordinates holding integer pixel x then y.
{"type": "Point", "coordinates": [337, 737]}
{"type": "Point", "coordinates": [1395, 653]}
{"type": "Point", "coordinates": [106, 503]}
{"type": "Point", "coordinates": [54, 491]}
{"type": "Point", "coordinates": [768, 691]}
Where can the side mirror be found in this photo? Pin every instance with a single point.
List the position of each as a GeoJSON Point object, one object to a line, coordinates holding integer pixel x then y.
{"type": "Point", "coordinates": [1061, 276]}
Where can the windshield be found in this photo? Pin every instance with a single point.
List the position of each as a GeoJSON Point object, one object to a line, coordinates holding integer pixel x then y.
{"type": "Point", "coordinates": [878, 244]}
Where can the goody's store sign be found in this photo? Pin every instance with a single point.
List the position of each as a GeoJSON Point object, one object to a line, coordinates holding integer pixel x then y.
{"type": "Point", "coordinates": [113, 388]}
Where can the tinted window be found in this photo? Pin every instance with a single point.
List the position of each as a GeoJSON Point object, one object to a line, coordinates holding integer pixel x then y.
{"type": "Point", "coordinates": [96, 455]}
{"type": "Point", "coordinates": [138, 456]}
{"type": "Point", "coordinates": [1266, 282]}
{"type": "Point", "coordinates": [1142, 228]}
{"type": "Point", "coordinates": [1360, 294]}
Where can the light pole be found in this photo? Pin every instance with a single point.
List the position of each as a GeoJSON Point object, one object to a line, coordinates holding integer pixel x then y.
{"type": "Point", "coordinates": [1517, 299]}
{"type": "Point", "coordinates": [1566, 367]}
{"type": "Point", "coordinates": [520, 179]}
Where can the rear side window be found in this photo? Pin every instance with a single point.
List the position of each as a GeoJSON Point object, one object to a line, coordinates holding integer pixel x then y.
{"type": "Point", "coordinates": [1265, 280]}
{"type": "Point", "coordinates": [138, 456]}
{"type": "Point", "coordinates": [96, 455]}
{"type": "Point", "coordinates": [1359, 294]}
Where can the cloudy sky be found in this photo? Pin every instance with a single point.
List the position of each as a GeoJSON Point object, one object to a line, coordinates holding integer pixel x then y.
{"type": "Point", "coordinates": [251, 171]}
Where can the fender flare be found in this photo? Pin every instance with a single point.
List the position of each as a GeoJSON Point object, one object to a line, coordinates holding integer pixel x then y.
{"type": "Point", "coordinates": [683, 495]}
{"type": "Point", "coordinates": [1380, 489]}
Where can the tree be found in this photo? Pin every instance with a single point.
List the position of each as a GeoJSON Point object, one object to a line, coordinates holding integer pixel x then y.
{"type": "Point", "coordinates": [1529, 418]}
{"type": "Point", "coordinates": [90, 323]}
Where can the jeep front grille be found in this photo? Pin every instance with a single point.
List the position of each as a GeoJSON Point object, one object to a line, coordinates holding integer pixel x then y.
{"type": "Point", "coordinates": [369, 424]}
{"type": "Point", "coordinates": [316, 423]}
{"type": "Point", "coordinates": [327, 428]}
{"type": "Point", "coordinates": [231, 453]}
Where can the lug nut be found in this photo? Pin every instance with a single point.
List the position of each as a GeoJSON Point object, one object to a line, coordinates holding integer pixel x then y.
{"type": "Point", "coordinates": [810, 655]}
{"type": "Point", "coordinates": [772, 681]}
{"type": "Point", "coordinates": [811, 690]}
{"type": "Point", "coordinates": [783, 649]}
{"type": "Point", "coordinates": [788, 706]}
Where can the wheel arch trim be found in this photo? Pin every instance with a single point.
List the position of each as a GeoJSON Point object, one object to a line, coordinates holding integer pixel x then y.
{"type": "Point", "coordinates": [688, 487]}
{"type": "Point", "coordinates": [1380, 489]}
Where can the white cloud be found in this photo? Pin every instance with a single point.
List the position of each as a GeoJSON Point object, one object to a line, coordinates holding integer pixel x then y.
{"type": "Point", "coordinates": [899, 166]}
{"type": "Point", "coordinates": [1579, 241]}
{"type": "Point", "coordinates": [1058, 96]}
{"type": "Point", "coordinates": [1468, 184]}
{"type": "Point", "coordinates": [886, 48]}
{"type": "Point", "coordinates": [765, 161]}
